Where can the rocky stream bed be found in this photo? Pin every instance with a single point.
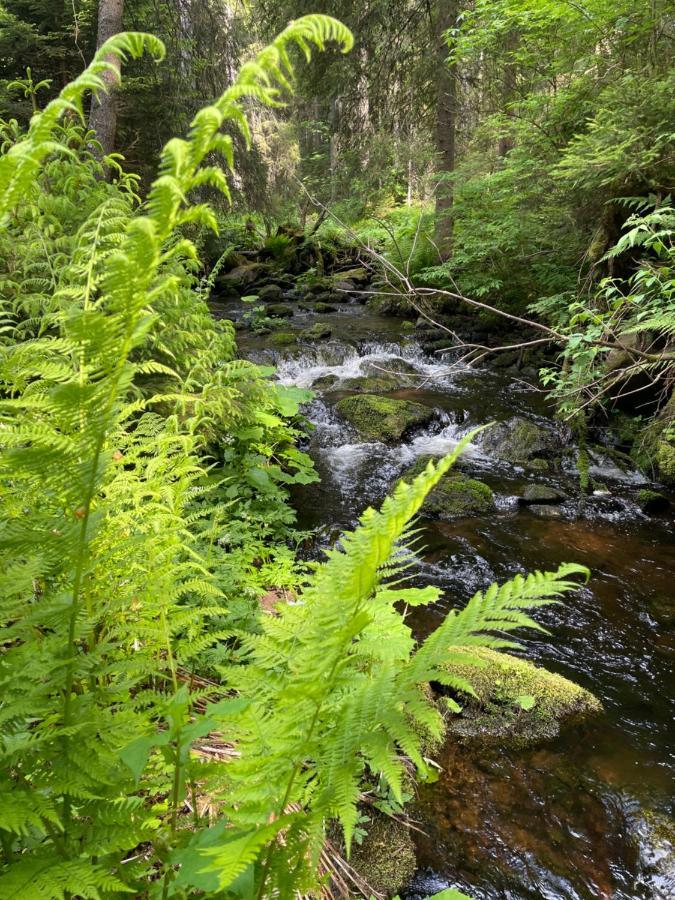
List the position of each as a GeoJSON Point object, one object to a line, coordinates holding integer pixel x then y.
{"type": "Point", "coordinates": [571, 799]}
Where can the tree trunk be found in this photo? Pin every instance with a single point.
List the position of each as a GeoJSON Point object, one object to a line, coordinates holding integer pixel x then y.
{"type": "Point", "coordinates": [103, 115]}
{"type": "Point", "coordinates": [446, 123]}
{"type": "Point", "coordinates": [508, 90]}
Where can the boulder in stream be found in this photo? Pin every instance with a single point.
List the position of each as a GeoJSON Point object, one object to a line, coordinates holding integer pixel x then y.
{"type": "Point", "coordinates": [541, 493]}
{"type": "Point", "coordinates": [517, 704]}
{"type": "Point", "coordinates": [522, 441]}
{"type": "Point", "coordinates": [455, 495]}
{"type": "Point", "coordinates": [270, 293]}
{"type": "Point", "coordinates": [317, 332]}
{"type": "Point", "coordinates": [371, 384]}
{"type": "Point", "coordinates": [278, 311]}
{"type": "Point", "coordinates": [383, 418]}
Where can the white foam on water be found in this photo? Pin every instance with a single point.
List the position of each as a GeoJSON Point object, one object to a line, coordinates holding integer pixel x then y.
{"type": "Point", "coordinates": [344, 362]}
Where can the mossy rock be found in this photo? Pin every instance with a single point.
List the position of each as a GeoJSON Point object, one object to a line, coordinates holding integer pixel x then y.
{"type": "Point", "coordinates": [386, 857]}
{"type": "Point", "coordinates": [324, 382]}
{"type": "Point", "coordinates": [283, 339]}
{"type": "Point", "coordinates": [652, 502]}
{"type": "Point", "coordinates": [318, 332]}
{"type": "Point", "coordinates": [358, 274]}
{"type": "Point", "coordinates": [503, 685]}
{"type": "Point", "coordinates": [520, 441]}
{"type": "Point", "coordinates": [387, 305]}
{"type": "Point", "coordinates": [541, 493]}
{"type": "Point", "coordinates": [270, 293]}
{"type": "Point", "coordinates": [454, 496]}
{"type": "Point", "coordinates": [371, 384]}
{"type": "Point", "coordinates": [394, 364]}
{"type": "Point", "coordinates": [383, 418]}
{"type": "Point", "coordinates": [278, 311]}
{"type": "Point", "coordinates": [322, 307]}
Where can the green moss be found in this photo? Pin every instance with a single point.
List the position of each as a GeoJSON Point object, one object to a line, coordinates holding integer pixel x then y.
{"type": "Point", "coordinates": [383, 418]}
{"type": "Point", "coordinates": [494, 716]}
{"type": "Point", "coordinates": [455, 495]}
{"type": "Point", "coordinates": [317, 332]}
{"type": "Point", "coordinates": [283, 339]}
{"type": "Point", "coordinates": [386, 857]}
{"type": "Point", "coordinates": [521, 441]}
{"type": "Point", "coordinates": [371, 384]}
{"type": "Point", "coordinates": [278, 311]}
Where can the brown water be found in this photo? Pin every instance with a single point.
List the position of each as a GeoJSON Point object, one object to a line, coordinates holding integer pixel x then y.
{"type": "Point", "coordinates": [584, 816]}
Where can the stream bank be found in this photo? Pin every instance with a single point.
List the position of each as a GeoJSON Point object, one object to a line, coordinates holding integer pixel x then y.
{"type": "Point", "coordinates": [584, 814]}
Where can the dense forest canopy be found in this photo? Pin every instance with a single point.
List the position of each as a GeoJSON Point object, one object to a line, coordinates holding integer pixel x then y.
{"type": "Point", "coordinates": [199, 694]}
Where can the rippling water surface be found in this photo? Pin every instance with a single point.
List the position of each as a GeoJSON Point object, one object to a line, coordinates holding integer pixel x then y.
{"type": "Point", "coordinates": [585, 816]}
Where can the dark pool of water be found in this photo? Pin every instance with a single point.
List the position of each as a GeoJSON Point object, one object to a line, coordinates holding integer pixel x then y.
{"type": "Point", "coordinates": [587, 815]}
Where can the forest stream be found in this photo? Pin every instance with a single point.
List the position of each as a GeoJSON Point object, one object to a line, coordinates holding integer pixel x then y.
{"type": "Point", "coordinates": [584, 815]}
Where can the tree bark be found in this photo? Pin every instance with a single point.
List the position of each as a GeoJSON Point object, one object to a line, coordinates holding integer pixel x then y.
{"type": "Point", "coordinates": [103, 115]}
{"type": "Point", "coordinates": [508, 90]}
{"type": "Point", "coordinates": [446, 123]}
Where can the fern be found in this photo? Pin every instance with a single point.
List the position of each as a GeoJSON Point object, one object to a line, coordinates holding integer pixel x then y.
{"type": "Point", "coordinates": [336, 689]}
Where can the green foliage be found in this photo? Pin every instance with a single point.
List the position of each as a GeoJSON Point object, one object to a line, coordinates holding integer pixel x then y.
{"type": "Point", "coordinates": [144, 472]}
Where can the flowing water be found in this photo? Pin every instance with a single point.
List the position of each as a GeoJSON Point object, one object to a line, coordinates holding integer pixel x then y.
{"type": "Point", "coordinates": [586, 815]}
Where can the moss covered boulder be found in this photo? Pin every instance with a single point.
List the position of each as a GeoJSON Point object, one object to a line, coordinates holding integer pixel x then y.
{"type": "Point", "coordinates": [386, 857]}
{"type": "Point", "coordinates": [521, 441]}
{"type": "Point", "coordinates": [371, 384]}
{"type": "Point", "coordinates": [318, 332]}
{"type": "Point", "coordinates": [455, 495]}
{"type": "Point", "coordinates": [283, 339]}
{"type": "Point", "coordinates": [279, 311]}
{"type": "Point", "coordinates": [383, 418]}
{"type": "Point", "coordinates": [517, 703]}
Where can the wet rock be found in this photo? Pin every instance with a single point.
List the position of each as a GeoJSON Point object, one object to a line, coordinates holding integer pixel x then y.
{"type": "Point", "coordinates": [283, 339]}
{"type": "Point", "coordinates": [270, 293]}
{"type": "Point", "coordinates": [455, 495]}
{"type": "Point", "coordinates": [392, 364]}
{"type": "Point", "coordinates": [358, 275]}
{"type": "Point", "coordinates": [318, 332]}
{"type": "Point", "coordinates": [546, 510]}
{"type": "Point", "coordinates": [517, 703]}
{"type": "Point", "coordinates": [324, 382]}
{"type": "Point", "coordinates": [278, 311]}
{"type": "Point", "coordinates": [344, 286]}
{"type": "Point", "coordinates": [520, 440]}
{"type": "Point", "coordinates": [383, 418]}
{"type": "Point", "coordinates": [371, 384]}
{"type": "Point", "coordinates": [324, 308]}
{"type": "Point", "coordinates": [386, 857]}
{"type": "Point", "coordinates": [654, 834]}
{"type": "Point", "coordinates": [316, 287]}
{"type": "Point", "coordinates": [541, 493]}
{"type": "Point", "coordinates": [662, 609]}
{"type": "Point", "coordinates": [390, 305]}
{"type": "Point", "coordinates": [242, 277]}
{"type": "Point", "coordinates": [652, 503]}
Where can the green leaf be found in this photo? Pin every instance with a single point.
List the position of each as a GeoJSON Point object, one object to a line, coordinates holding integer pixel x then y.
{"type": "Point", "coordinates": [525, 701]}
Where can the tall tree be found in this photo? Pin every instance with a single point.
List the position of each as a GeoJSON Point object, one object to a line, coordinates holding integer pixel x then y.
{"type": "Point", "coordinates": [103, 116]}
{"type": "Point", "coordinates": [446, 121]}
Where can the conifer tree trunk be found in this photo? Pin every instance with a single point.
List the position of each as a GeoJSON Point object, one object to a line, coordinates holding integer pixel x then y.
{"type": "Point", "coordinates": [446, 122]}
{"type": "Point", "coordinates": [103, 115]}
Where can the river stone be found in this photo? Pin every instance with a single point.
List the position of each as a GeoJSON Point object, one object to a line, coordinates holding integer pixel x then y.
{"type": "Point", "coordinates": [324, 382]}
{"type": "Point", "coordinates": [495, 716]}
{"type": "Point", "coordinates": [243, 276]}
{"type": "Point", "coordinates": [652, 502]}
{"type": "Point", "coordinates": [317, 332]}
{"type": "Point", "coordinates": [344, 286]}
{"type": "Point", "coordinates": [371, 384]}
{"type": "Point", "coordinates": [520, 440]}
{"type": "Point", "coordinates": [386, 856]}
{"type": "Point", "coordinates": [324, 308]}
{"type": "Point", "coordinates": [278, 311]}
{"type": "Point", "coordinates": [455, 495]}
{"type": "Point", "coordinates": [541, 493]}
{"type": "Point", "coordinates": [358, 275]}
{"type": "Point", "coordinates": [383, 418]}
{"type": "Point", "coordinates": [385, 366]}
{"type": "Point", "coordinates": [283, 339]}
{"type": "Point", "coordinates": [270, 293]}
